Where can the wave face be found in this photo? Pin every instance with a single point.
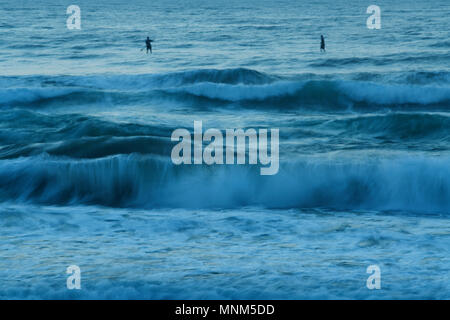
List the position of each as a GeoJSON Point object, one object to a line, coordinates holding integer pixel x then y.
{"type": "Point", "coordinates": [404, 184]}
{"type": "Point", "coordinates": [55, 151]}
{"type": "Point", "coordinates": [245, 87]}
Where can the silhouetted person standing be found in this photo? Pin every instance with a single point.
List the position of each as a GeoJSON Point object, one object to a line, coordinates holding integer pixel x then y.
{"type": "Point", "coordinates": [322, 43]}
{"type": "Point", "coordinates": [148, 43]}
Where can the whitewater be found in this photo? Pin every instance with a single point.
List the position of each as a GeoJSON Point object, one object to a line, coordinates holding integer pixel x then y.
{"type": "Point", "coordinates": [86, 176]}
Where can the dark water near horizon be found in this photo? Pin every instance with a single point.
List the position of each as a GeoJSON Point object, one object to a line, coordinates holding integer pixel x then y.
{"type": "Point", "coordinates": [86, 176]}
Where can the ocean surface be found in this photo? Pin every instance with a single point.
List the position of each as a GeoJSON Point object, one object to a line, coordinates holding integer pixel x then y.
{"type": "Point", "coordinates": [86, 176]}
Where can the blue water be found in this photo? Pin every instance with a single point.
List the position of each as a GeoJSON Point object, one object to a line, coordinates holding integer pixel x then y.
{"type": "Point", "coordinates": [86, 176]}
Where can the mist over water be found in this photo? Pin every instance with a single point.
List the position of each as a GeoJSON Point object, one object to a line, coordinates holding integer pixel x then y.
{"type": "Point", "coordinates": [86, 176]}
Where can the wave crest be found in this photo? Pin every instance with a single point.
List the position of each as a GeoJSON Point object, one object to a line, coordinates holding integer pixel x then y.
{"type": "Point", "coordinates": [149, 182]}
{"type": "Point", "coordinates": [244, 86]}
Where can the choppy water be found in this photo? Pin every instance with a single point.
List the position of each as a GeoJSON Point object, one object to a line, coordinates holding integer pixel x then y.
{"type": "Point", "coordinates": [85, 170]}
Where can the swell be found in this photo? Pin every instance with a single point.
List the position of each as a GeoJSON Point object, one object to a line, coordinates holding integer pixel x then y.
{"type": "Point", "coordinates": [329, 94]}
{"type": "Point", "coordinates": [28, 133]}
{"type": "Point", "coordinates": [433, 127]}
{"type": "Point", "coordinates": [385, 60]}
{"type": "Point", "coordinates": [238, 87]}
{"type": "Point", "coordinates": [415, 184]}
{"type": "Point", "coordinates": [25, 133]}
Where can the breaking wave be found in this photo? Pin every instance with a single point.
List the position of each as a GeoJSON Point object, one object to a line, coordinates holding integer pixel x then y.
{"type": "Point", "coordinates": [238, 86]}
{"type": "Point", "coordinates": [150, 182]}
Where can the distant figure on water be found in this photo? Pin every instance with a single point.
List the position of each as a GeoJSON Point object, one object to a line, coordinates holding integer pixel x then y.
{"type": "Point", "coordinates": [322, 43]}
{"type": "Point", "coordinates": [148, 43]}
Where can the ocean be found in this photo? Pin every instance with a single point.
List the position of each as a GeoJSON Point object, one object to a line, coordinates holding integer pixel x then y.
{"type": "Point", "coordinates": [86, 176]}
